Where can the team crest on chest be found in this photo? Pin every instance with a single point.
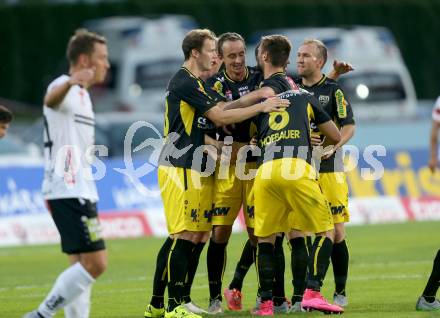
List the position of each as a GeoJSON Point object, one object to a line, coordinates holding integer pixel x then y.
{"type": "Point", "coordinates": [324, 99]}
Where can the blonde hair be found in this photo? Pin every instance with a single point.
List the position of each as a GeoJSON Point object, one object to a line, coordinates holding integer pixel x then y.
{"type": "Point", "coordinates": [322, 49]}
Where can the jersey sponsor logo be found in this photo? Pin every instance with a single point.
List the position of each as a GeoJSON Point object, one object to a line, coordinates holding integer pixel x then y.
{"type": "Point", "coordinates": [341, 104]}
{"type": "Point", "coordinates": [208, 215]}
{"type": "Point", "coordinates": [54, 301]}
{"type": "Point", "coordinates": [250, 211]}
{"type": "Point", "coordinates": [323, 99]}
{"type": "Point", "coordinates": [220, 211]}
{"type": "Point", "coordinates": [218, 87]}
{"type": "Point", "coordinates": [337, 209]}
{"type": "Point", "coordinates": [243, 91]}
{"type": "Point", "coordinates": [204, 123]}
{"type": "Point", "coordinates": [93, 228]}
{"type": "Point", "coordinates": [194, 215]}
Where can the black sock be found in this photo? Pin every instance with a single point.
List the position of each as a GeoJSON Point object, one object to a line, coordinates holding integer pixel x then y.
{"type": "Point", "coordinates": [279, 295]}
{"type": "Point", "coordinates": [246, 260]}
{"type": "Point", "coordinates": [177, 268]}
{"type": "Point", "coordinates": [299, 261]}
{"type": "Point", "coordinates": [433, 281]}
{"type": "Point", "coordinates": [309, 243]}
{"type": "Point", "coordinates": [192, 268]}
{"type": "Point", "coordinates": [256, 267]}
{"type": "Point", "coordinates": [319, 262]}
{"type": "Point", "coordinates": [265, 264]}
{"type": "Point", "coordinates": [216, 260]}
{"type": "Point", "coordinates": [340, 258]}
{"type": "Point", "coordinates": [160, 275]}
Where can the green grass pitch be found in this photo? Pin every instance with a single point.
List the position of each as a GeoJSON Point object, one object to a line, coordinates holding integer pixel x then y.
{"type": "Point", "coordinates": [389, 267]}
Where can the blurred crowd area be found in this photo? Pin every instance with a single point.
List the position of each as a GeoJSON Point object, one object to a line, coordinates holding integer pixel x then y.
{"type": "Point", "coordinates": [392, 89]}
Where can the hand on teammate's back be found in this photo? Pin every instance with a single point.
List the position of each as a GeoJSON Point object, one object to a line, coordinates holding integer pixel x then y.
{"type": "Point", "coordinates": [275, 104]}
{"type": "Point", "coordinates": [82, 77]}
{"type": "Point", "coordinates": [315, 140]}
{"type": "Point", "coordinates": [328, 151]}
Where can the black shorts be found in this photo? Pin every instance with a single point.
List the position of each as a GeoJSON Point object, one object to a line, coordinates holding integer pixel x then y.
{"type": "Point", "coordinates": [78, 224]}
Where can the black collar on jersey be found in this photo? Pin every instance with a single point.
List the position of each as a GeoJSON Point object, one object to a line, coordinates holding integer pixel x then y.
{"type": "Point", "coordinates": [191, 74]}
{"type": "Point", "coordinates": [231, 80]}
{"type": "Point", "coordinates": [277, 73]}
{"type": "Point", "coordinates": [320, 82]}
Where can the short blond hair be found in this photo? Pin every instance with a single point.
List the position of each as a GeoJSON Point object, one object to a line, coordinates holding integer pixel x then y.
{"type": "Point", "coordinates": [322, 49]}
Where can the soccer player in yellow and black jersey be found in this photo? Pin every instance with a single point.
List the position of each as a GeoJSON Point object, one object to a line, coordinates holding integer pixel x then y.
{"type": "Point", "coordinates": [311, 57]}
{"type": "Point", "coordinates": [284, 139]}
{"type": "Point", "coordinates": [231, 192]}
{"type": "Point", "coordinates": [234, 81]}
{"type": "Point", "coordinates": [185, 188]}
{"type": "Point", "coordinates": [156, 306]}
{"type": "Point", "coordinates": [275, 81]}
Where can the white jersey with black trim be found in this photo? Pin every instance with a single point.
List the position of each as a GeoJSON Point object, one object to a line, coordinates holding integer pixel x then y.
{"type": "Point", "coordinates": [69, 137]}
{"type": "Point", "coordinates": [436, 110]}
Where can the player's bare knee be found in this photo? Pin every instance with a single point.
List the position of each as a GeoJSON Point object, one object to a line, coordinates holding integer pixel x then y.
{"type": "Point", "coordinates": [339, 237]}
{"type": "Point", "coordinates": [205, 237]}
{"type": "Point", "coordinates": [339, 232]}
{"type": "Point", "coordinates": [95, 265]}
{"type": "Point", "coordinates": [221, 233]}
{"type": "Point", "coordinates": [328, 234]}
{"type": "Point", "coordinates": [100, 266]}
{"type": "Point", "coordinates": [294, 234]}
{"type": "Point", "coordinates": [188, 236]}
{"type": "Point", "coordinates": [267, 239]}
{"type": "Point", "coordinates": [201, 237]}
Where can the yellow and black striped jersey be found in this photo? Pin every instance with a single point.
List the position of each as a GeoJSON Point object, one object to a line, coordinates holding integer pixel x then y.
{"type": "Point", "coordinates": [334, 102]}
{"type": "Point", "coordinates": [286, 134]}
{"type": "Point", "coordinates": [187, 100]}
{"type": "Point", "coordinates": [233, 90]}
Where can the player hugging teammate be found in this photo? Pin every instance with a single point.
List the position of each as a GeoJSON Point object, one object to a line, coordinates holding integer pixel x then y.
{"type": "Point", "coordinates": [275, 183]}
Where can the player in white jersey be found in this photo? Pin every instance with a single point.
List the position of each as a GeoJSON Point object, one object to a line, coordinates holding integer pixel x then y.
{"type": "Point", "coordinates": [428, 301]}
{"type": "Point", "coordinates": [68, 185]}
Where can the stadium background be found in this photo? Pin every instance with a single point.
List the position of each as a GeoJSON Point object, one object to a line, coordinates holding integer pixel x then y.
{"type": "Point", "coordinates": [389, 262]}
{"type": "Point", "coordinates": [25, 29]}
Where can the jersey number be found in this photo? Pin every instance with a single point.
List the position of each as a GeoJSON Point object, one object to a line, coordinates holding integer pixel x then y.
{"type": "Point", "coordinates": [278, 120]}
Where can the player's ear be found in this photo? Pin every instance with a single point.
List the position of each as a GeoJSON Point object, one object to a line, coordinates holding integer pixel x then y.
{"type": "Point", "coordinates": [321, 63]}
{"type": "Point", "coordinates": [195, 53]}
{"type": "Point", "coordinates": [265, 57]}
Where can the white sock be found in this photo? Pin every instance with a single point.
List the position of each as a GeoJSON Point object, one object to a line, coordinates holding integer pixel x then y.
{"type": "Point", "coordinates": [68, 286]}
{"type": "Point", "coordinates": [79, 307]}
